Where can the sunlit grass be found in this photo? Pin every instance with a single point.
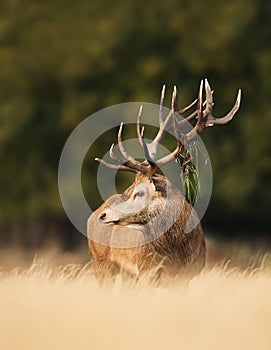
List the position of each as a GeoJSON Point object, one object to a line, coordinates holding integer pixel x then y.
{"type": "Point", "coordinates": [46, 306]}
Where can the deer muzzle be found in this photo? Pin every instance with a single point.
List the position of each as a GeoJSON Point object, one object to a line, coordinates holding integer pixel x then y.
{"type": "Point", "coordinates": [108, 218]}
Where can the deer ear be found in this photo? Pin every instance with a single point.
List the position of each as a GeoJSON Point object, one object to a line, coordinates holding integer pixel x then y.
{"type": "Point", "coordinates": [160, 185]}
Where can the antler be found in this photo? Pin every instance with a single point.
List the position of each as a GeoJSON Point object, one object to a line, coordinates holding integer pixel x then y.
{"type": "Point", "coordinates": [150, 165]}
{"type": "Point", "coordinates": [150, 149]}
{"type": "Point", "coordinates": [204, 115]}
{"type": "Point", "coordinates": [204, 118]}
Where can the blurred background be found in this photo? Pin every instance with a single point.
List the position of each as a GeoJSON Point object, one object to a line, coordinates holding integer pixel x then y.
{"type": "Point", "coordinates": [62, 61]}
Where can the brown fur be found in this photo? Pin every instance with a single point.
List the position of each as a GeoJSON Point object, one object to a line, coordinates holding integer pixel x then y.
{"type": "Point", "coordinates": [172, 253]}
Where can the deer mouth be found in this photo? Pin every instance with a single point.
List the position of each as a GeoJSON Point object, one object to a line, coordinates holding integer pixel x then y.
{"type": "Point", "coordinates": [111, 222]}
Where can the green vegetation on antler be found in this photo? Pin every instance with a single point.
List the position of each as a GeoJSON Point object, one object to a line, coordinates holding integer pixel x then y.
{"type": "Point", "coordinates": [190, 171]}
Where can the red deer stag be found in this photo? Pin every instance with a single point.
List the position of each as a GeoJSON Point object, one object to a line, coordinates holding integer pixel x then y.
{"type": "Point", "coordinates": [143, 228]}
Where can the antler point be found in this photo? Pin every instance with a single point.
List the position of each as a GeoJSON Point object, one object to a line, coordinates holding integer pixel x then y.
{"type": "Point", "coordinates": [142, 131]}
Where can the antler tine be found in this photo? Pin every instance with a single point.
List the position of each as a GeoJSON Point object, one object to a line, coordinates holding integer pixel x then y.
{"type": "Point", "coordinates": [185, 109]}
{"type": "Point", "coordinates": [151, 148]}
{"type": "Point", "coordinates": [116, 167]}
{"type": "Point", "coordinates": [138, 122]}
{"type": "Point", "coordinates": [121, 147]}
{"type": "Point", "coordinates": [226, 118]}
{"type": "Point", "coordinates": [173, 155]}
{"type": "Point", "coordinates": [174, 108]}
{"type": "Point", "coordinates": [113, 156]}
{"type": "Point", "coordinates": [199, 126]}
{"type": "Point", "coordinates": [140, 135]}
{"type": "Point", "coordinates": [129, 165]}
{"type": "Point", "coordinates": [164, 123]}
{"type": "Point", "coordinates": [148, 157]}
{"type": "Point", "coordinates": [162, 128]}
{"type": "Point", "coordinates": [162, 102]}
{"type": "Point", "coordinates": [174, 101]}
{"type": "Point", "coordinates": [191, 116]}
{"type": "Point", "coordinates": [205, 117]}
{"type": "Point", "coordinates": [230, 115]}
{"type": "Point", "coordinates": [200, 107]}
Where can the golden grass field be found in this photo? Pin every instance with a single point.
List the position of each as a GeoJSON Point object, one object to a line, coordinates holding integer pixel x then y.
{"type": "Point", "coordinates": [45, 306]}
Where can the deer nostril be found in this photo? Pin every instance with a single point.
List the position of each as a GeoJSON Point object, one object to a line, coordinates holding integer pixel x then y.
{"type": "Point", "coordinates": [102, 216]}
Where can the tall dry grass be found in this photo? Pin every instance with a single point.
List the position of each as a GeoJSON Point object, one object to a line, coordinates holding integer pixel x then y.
{"type": "Point", "coordinates": [44, 307]}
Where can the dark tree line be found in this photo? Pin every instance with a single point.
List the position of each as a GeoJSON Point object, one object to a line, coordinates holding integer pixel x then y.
{"type": "Point", "coordinates": [60, 62]}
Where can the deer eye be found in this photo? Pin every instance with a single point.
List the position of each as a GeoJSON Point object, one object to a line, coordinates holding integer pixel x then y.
{"type": "Point", "coordinates": [139, 194]}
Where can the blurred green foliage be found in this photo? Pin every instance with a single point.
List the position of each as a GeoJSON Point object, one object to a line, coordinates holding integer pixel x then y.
{"type": "Point", "coordinates": [61, 61]}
